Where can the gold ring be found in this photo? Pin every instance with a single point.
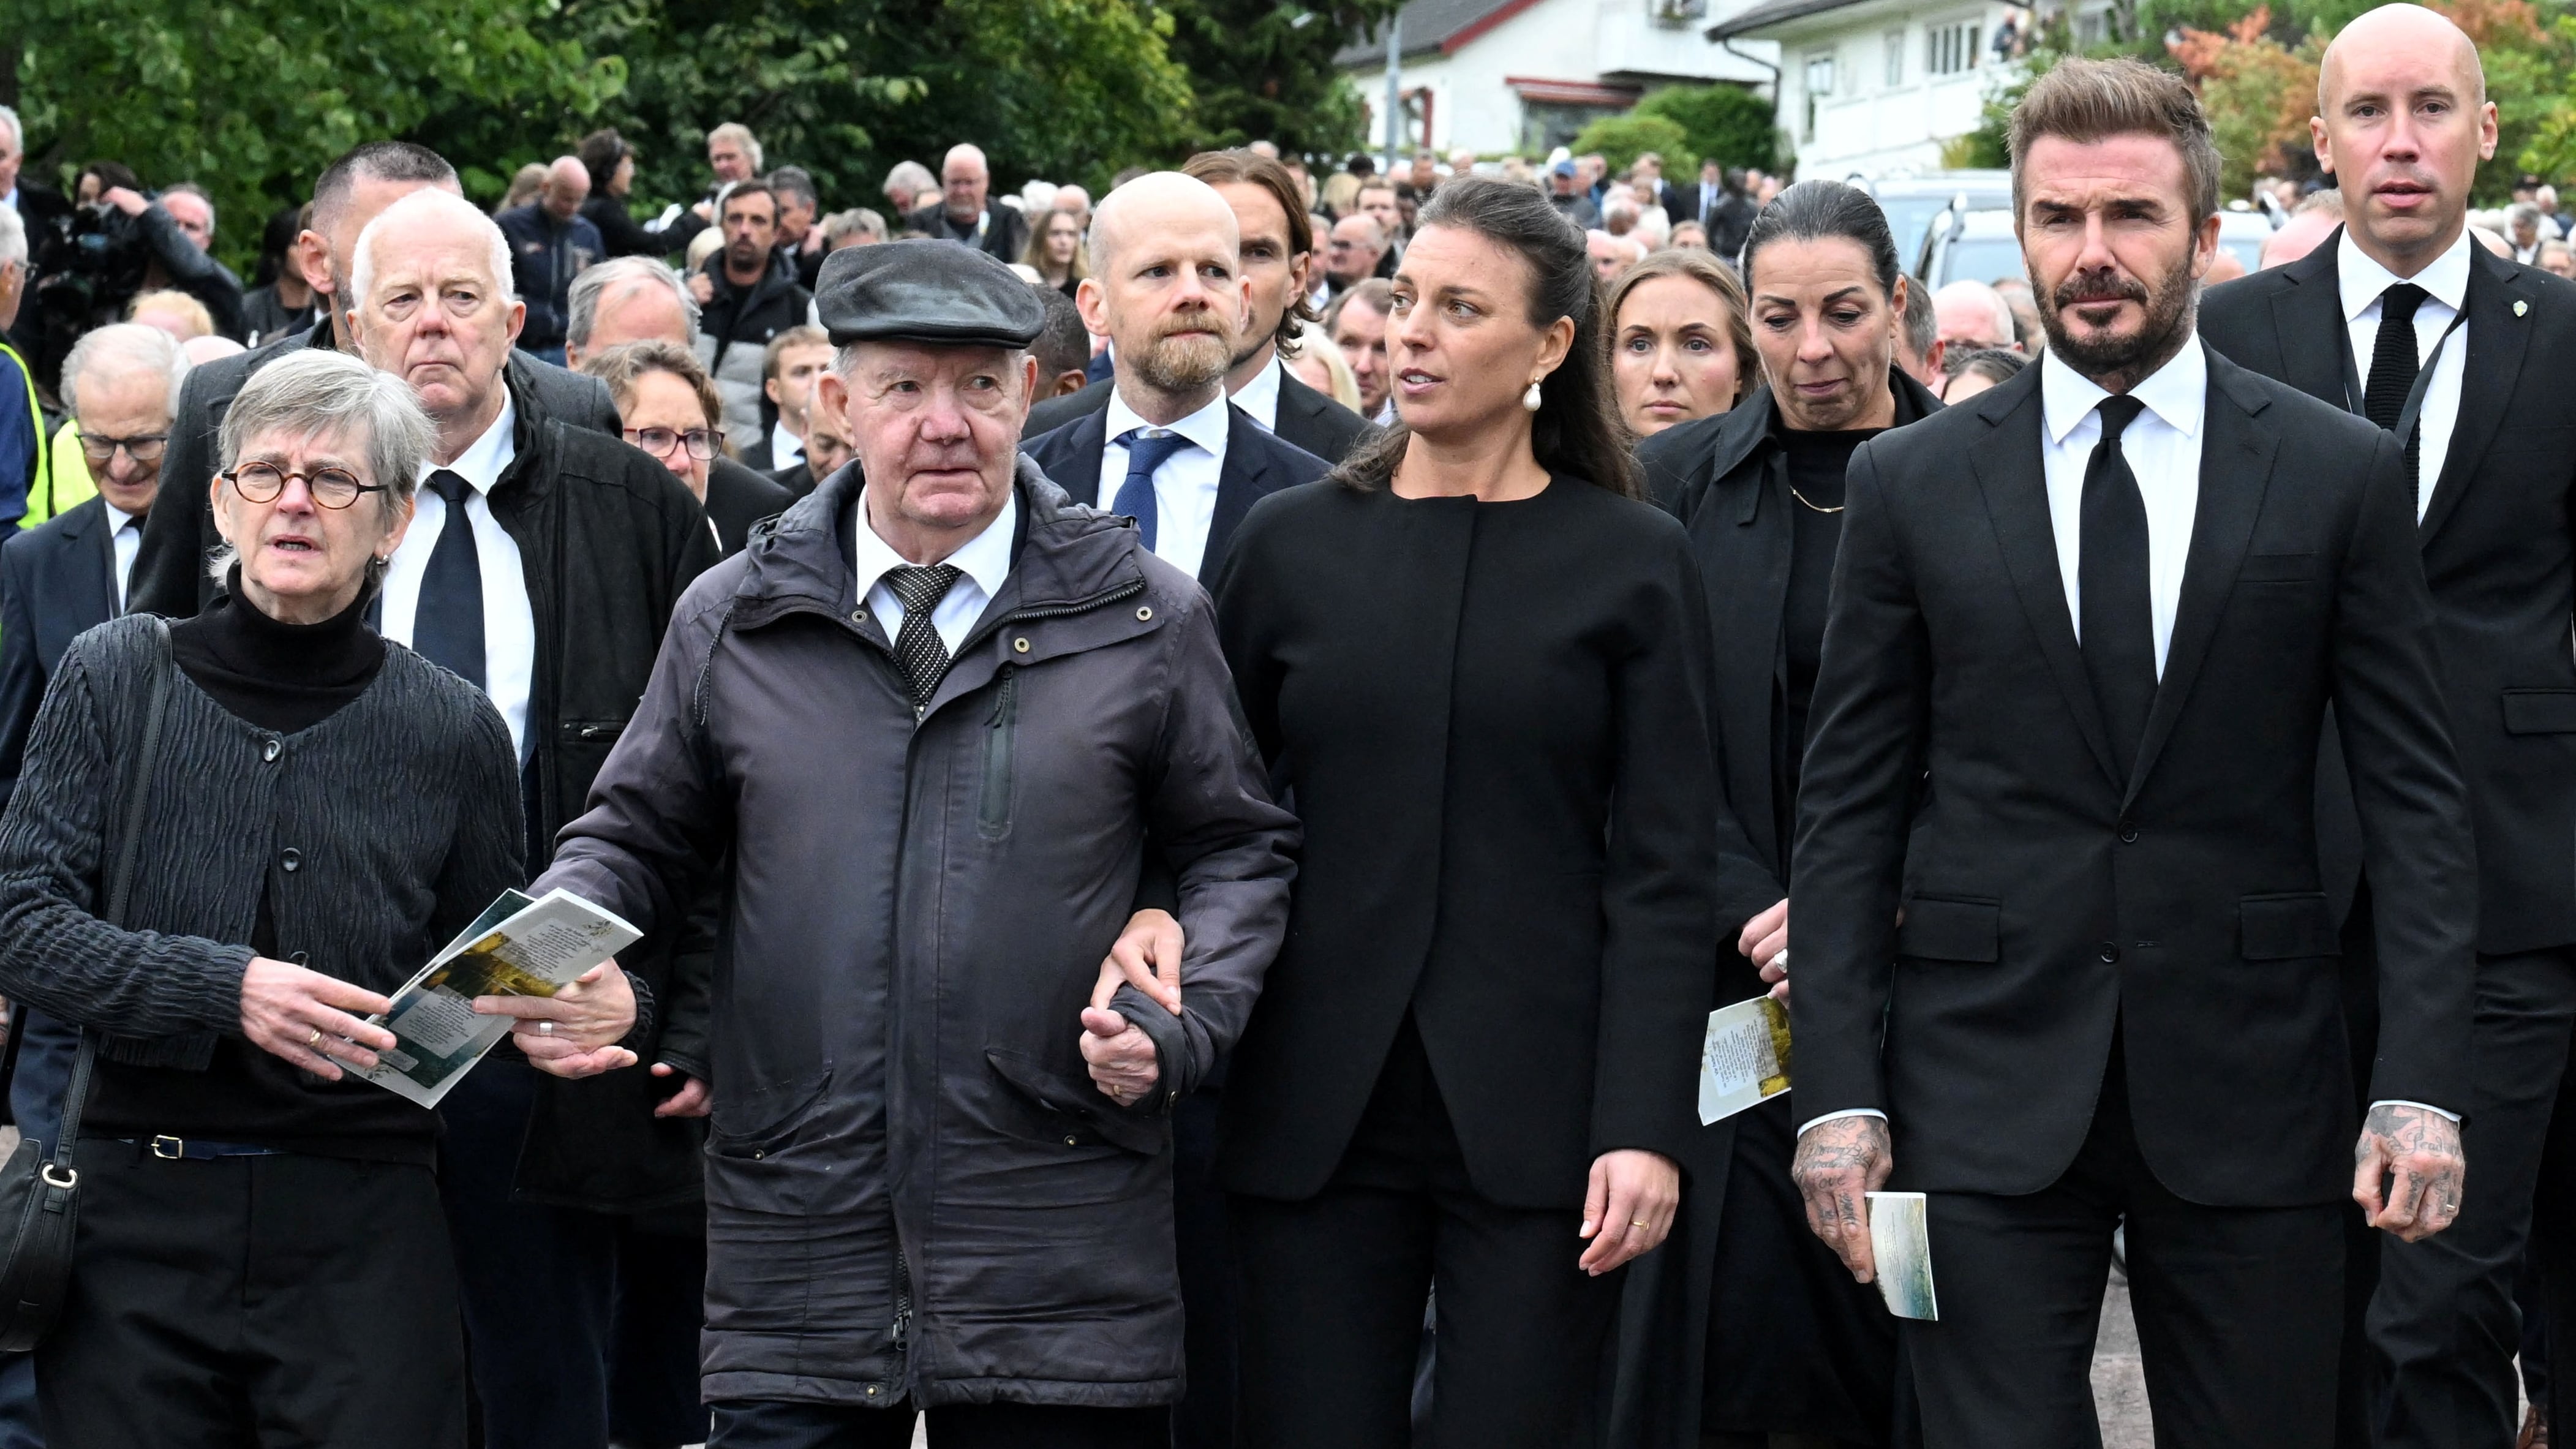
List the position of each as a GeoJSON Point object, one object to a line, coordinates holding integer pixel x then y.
{"type": "Point", "coordinates": [1636, 1222]}
{"type": "Point", "coordinates": [315, 1039]}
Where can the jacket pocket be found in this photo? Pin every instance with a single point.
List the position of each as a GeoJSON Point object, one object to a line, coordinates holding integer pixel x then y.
{"type": "Point", "coordinates": [2287, 927]}
{"type": "Point", "coordinates": [762, 1122]}
{"type": "Point", "coordinates": [1945, 928]}
{"type": "Point", "coordinates": [2277, 568]}
{"type": "Point", "coordinates": [1076, 1110]}
{"type": "Point", "coordinates": [2540, 711]}
{"type": "Point", "coordinates": [1000, 736]}
{"type": "Point", "coordinates": [598, 734]}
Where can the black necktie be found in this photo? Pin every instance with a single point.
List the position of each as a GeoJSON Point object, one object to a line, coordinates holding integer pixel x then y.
{"type": "Point", "coordinates": [447, 625]}
{"type": "Point", "coordinates": [117, 568]}
{"type": "Point", "coordinates": [2393, 363]}
{"type": "Point", "coordinates": [917, 645]}
{"type": "Point", "coordinates": [2111, 580]}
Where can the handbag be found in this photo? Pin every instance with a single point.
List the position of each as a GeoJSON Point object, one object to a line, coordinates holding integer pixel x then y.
{"type": "Point", "coordinates": [38, 1195]}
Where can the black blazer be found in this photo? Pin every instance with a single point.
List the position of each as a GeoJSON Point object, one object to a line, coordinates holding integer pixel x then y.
{"type": "Point", "coordinates": [170, 577]}
{"type": "Point", "coordinates": [1491, 719]}
{"type": "Point", "coordinates": [2049, 899]}
{"type": "Point", "coordinates": [2499, 547]}
{"type": "Point", "coordinates": [55, 582]}
{"type": "Point", "coordinates": [1726, 478]}
{"type": "Point", "coordinates": [738, 497]}
{"type": "Point", "coordinates": [1257, 465]}
{"type": "Point", "coordinates": [1307, 419]}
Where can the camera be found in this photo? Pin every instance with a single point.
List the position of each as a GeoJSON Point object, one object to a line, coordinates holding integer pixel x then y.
{"type": "Point", "coordinates": [90, 267]}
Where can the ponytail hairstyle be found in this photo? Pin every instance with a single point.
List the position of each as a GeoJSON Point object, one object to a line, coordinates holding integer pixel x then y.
{"type": "Point", "coordinates": [1576, 431]}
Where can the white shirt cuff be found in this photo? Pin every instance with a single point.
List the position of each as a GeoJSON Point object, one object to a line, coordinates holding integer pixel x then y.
{"type": "Point", "coordinates": [1831, 1116]}
{"type": "Point", "coordinates": [2427, 1106]}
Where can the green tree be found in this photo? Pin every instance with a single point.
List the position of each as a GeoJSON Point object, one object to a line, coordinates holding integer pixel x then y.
{"type": "Point", "coordinates": [1726, 124]}
{"type": "Point", "coordinates": [1622, 139]}
{"type": "Point", "coordinates": [1263, 70]}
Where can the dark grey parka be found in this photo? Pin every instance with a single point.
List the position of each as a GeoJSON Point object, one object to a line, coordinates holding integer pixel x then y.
{"type": "Point", "coordinates": [913, 1188]}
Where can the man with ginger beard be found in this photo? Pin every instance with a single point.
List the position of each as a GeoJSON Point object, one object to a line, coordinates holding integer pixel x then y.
{"type": "Point", "coordinates": [2402, 318]}
{"type": "Point", "coordinates": [2091, 979]}
{"type": "Point", "coordinates": [1167, 289]}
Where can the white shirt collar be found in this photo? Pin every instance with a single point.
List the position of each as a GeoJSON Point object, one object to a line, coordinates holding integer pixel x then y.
{"type": "Point", "coordinates": [2361, 278]}
{"type": "Point", "coordinates": [2177, 392]}
{"type": "Point", "coordinates": [489, 456]}
{"type": "Point", "coordinates": [1260, 397]}
{"type": "Point", "coordinates": [786, 449]}
{"type": "Point", "coordinates": [117, 517]}
{"type": "Point", "coordinates": [985, 558]}
{"type": "Point", "coordinates": [1207, 427]}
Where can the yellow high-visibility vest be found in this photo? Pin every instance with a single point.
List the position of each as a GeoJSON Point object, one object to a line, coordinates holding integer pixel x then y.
{"type": "Point", "coordinates": [40, 483]}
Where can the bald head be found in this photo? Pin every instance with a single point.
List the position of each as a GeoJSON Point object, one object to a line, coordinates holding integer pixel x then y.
{"type": "Point", "coordinates": [1167, 289]}
{"type": "Point", "coordinates": [1972, 316]}
{"type": "Point", "coordinates": [964, 181]}
{"type": "Point", "coordinates": [567, 187]}
{"type": "Point", "coordinates": [2402, 122]}
{"type": "Point", "coordinates": [1151, 203]}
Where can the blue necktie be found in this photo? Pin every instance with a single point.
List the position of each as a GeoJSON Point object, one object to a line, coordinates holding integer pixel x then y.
{"type": "Point", "coordinates": [1146, 455]}
{"type": "Point", "coordinates": [447, 625]}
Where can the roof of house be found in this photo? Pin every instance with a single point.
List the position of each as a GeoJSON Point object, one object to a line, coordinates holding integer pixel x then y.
{"type": "Point", "coordinates": [1770, 13]}
{"type": "Point", "coordinates": [1441, 26]}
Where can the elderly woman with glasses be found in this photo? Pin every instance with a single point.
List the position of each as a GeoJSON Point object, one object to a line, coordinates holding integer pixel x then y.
{"type": "Point", "coordinates": [261, 1255]}
{"type": "Point", "coordinates": [670, 409]}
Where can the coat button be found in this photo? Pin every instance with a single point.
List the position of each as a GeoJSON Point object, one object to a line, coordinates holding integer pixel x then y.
{"type": "Point", "coordinates": [858, 616]}
{"type": "Point", "coordinates": [2110, 953]}
{"type": "Point", "coordinates": [291, 858]}
{"type": "Point", "coordinates": [2128, 833]}
{"type": "Point", "coordinates": [1143, 615]}
{"type": "Point", "coordinates": [300, 958]}
{"type": "Point", "coordinates": [1073, 1142]}
{"type": "Point", "coordinates": [1019, 646]}
{"type": "Point", "coordinates": [269, 751]}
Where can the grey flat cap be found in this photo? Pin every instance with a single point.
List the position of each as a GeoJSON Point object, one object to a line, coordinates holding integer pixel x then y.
{"type": "Point", "coordinates": [924, 290]}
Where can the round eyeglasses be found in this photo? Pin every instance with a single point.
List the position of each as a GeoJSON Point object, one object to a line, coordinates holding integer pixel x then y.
{"type": "Point", "coordinates": [329, 487]}
{"type": "Point", "coordinates": [146, 448]}
{"type": "Point", "coordinates": [702, 442]}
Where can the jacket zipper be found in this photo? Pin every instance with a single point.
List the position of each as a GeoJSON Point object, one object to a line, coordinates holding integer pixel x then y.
{"type": "Point", "coordinates": [901, 1371]}
{"type": "Point", "coordinates": [996, 813]}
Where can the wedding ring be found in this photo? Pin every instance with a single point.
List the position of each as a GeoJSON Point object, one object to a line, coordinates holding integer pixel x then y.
{"type": "Point", "coordinates": [1636, 1222]}
{"type": "Point", "coordinates": [315, 1039]}
{"type": "Point", "coordinates": [545, 1028]}
{"type": "Point", "coordinates": [1781, 960]}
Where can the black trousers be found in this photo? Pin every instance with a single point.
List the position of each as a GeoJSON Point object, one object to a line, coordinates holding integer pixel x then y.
{"type": "Point", "coordinates": [2239, 1310]}
{"type": "Point", "coordinates": [2443, 1327]}
{"type": "Point", "coordinates": [1205, 1418]}
{"type": "Point", "coordinates": [621, 1308]}
{"type": "Point", "coordinates": [769, 1424]}
{"type": "Point", "coordinates": [1331, 1290]}
{"type": "Point", "coordinates": [285, 1301]}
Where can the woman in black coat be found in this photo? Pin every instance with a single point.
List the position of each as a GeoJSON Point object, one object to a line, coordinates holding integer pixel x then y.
{"type": "Point", "coordinates": [1750, 1333]}
{"type": "Point", "coordinates": [1477, 666]}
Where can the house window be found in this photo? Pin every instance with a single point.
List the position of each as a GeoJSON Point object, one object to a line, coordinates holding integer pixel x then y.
{"type": "Point", "coordinates": [1950, 49]}
{"type": "Point", "coordinates": [1894, 44]}
{"type": "Point", "coordinates": [1820, 83]}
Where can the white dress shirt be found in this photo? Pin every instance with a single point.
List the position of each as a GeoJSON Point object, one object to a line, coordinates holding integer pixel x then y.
{"type": "Point", "coordinates": [985, 561]}
{"type": "Point", "coordinates": [1184, 487]}
{"type": "Point", "coordinates": [126, 542]}
{"type": "Point", "coordinates": [1259, 398]}
{"type": "Point", "coordinates": [2162, 448]}
{"type": "Point", "coordinates": [786, 450]}
{"type": "Point", "coordinates": [2446, 279]}
{"type": "Point", "coordinates": [509, 619]}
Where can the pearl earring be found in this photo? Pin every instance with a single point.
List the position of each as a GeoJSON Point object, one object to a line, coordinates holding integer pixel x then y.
{"type": "Point", "coordinates": [1530, 399]}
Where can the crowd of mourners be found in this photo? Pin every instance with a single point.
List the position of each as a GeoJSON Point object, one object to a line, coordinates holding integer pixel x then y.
{"type": "Point", "coordinates": [1191, 765]}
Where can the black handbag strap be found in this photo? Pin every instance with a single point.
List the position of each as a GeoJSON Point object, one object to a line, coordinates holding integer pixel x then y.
{"type": "Point", "coordinates": [120, 879]}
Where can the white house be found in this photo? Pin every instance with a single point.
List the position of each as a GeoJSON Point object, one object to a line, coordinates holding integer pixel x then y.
{"type": "Point", "coordinates": [1875, 86]}
{"type": "Point", "coordinates": [1495, 76]}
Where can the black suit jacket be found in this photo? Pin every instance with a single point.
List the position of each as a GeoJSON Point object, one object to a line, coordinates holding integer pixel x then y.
{"type": "Point", "coordinates": [55, 582]}
{"type": "Point", "coordinates": [1307, 419]}
{"type": "Point", "coordinates": [1256, 466]}
{"type": "Point", "coordinates": [2050, 899]}
{"type": "Point", "coordinates": [170, 576]}
{"type": "Point", "coordinates": [2499, 549]}
{"type": "Point", "coordinates": [738, 497]}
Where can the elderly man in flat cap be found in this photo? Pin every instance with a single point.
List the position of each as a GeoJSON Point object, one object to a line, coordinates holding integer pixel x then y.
{"type": "Point", "coordinates": [924, 724]}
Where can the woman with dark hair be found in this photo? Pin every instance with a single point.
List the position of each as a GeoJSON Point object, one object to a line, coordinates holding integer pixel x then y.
{"type": "Point", "coordinates": [1753, 1332]}
{"type": "Point", "coordinates": [1680, 346]}
{"type": "Point", "coordinates": [279, 302]}
{"type": "Point", "coordinates": [1971, 373]}
{"type": "Point", "coordinates": [1478, 669]}
{"type": "Point", "coordinates": [610, 159]}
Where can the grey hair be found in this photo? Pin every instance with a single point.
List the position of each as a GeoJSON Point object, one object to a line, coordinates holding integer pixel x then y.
{"type": "Point", "coordinates": [581, 303]}
{"type": "Point", "coordinates": [318, 391]}
{"type": "Point", "coordinates": [124, 347]}
{"type": "Point", "coordinates": [410, 210]}
{"type": "Point", "coordinates": [740, 135]}
{"type": "Point", "coordinates": [2523, 212]}
{"type": "Point", "coordinates": [17, 129]}
{"type": "Point", "coordinates": [13, 237]}
{"type": "Point", "coordinates": [859, 221]}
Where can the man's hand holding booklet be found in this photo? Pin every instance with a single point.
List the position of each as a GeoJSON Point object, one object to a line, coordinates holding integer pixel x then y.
{"type": "Point", "coordinates": [520, 949]}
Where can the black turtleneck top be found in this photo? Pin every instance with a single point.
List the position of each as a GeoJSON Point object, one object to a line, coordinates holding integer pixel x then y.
{"type": "Point", "coordinates": [1816, 465]}
{"type": "Point", "coordinates": [287, 678]}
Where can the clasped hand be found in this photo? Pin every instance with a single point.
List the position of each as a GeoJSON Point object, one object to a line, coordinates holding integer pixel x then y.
{"type": "Point", "coordinates": [1147, 956]}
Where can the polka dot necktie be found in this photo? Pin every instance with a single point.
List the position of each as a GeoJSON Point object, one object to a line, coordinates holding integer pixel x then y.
{"type": "Point", "coordinates": [917, 645]}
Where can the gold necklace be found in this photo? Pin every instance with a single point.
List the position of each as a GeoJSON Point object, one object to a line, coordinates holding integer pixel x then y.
{"type": "Point", "coordinates": [1811, 503]}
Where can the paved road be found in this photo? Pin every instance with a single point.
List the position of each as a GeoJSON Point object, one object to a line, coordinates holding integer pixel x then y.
{"type": "Point", "coordinates": [2119, 1387]}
